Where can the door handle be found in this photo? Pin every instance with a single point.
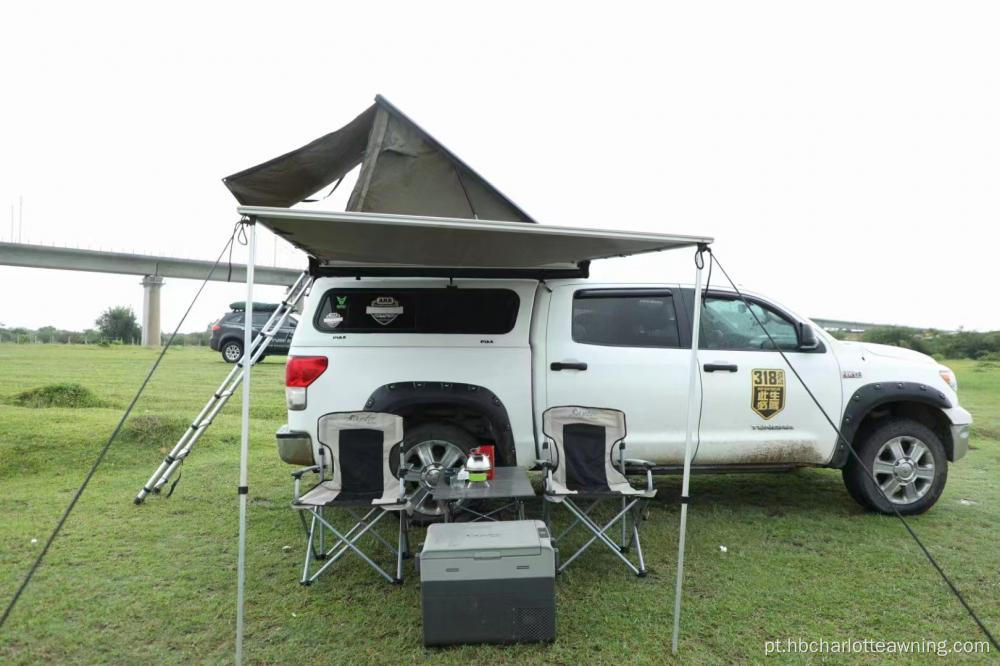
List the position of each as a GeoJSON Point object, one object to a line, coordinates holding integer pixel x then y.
{"type": "Point", "coordinates": [717, 367]}
{"type": "Point", "coordinates": [567, 365]}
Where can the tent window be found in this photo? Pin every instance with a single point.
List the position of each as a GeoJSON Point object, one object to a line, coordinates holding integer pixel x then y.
{"type": "Point", "coordinates": [470, 311]}
{"type": "Point", "coordinates": [625, 318]}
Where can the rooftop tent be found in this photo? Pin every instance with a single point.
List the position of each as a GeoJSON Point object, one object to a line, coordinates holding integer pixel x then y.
{"type": "Point", "coordinates": [404, 170]}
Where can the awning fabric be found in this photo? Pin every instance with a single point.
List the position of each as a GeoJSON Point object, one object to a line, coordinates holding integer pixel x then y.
{"type": "Point", "coordinates": [404, 170]}
{"type": "Point", "coordinates": [350, 243]}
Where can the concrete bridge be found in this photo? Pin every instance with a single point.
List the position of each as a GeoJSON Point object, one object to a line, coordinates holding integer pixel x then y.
{"type": "Point", "coordinates": [153, 269]}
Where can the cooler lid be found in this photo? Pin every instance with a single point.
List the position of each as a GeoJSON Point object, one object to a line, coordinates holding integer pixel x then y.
{"type": "Point", "coordinates": [492, 540]}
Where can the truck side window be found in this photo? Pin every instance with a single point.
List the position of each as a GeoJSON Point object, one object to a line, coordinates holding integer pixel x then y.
{"type": "Point", "coordinates": [726, 323]}
{"type": "Point", "coordinates": [625, 318]}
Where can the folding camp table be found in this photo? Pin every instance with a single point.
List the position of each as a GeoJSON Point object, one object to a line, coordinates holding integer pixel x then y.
{"type": "Point", "coordinates": [508, 483]}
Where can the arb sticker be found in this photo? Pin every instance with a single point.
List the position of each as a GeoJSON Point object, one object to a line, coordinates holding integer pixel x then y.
{"type": "Point", "coordinates": [768, 397]}
{"type": "Point", "coordinates": [384, 310]}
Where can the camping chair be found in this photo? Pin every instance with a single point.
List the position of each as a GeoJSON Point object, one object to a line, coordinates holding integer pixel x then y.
{"type": "Point", "coordinates": [359, 446]}
{"type": "Point", "coordinates": [583, 464]}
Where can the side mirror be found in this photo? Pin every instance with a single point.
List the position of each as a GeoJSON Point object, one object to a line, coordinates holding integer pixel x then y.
{"type": "Point", "coordinates": [807, 338]}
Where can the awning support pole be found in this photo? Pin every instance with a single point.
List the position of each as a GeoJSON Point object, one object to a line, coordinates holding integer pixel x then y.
{"type": "Point", "coordinates": [242, 490]}
{"type": "Point", "coordinates": [692, 419]}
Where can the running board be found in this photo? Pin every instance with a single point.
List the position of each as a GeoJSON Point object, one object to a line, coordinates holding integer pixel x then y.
{"type": "Point", "coordinates": [754, 468]}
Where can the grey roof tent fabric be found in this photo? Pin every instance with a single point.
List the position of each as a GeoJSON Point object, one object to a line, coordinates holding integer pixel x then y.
{"type": "Point", "coordinates": [404, 170]}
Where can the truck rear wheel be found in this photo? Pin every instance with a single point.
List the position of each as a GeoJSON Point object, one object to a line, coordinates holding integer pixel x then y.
{"type": "Point", "coordinates": [903, 467]}
{"type": "Point", "coordinates": [434, 444]}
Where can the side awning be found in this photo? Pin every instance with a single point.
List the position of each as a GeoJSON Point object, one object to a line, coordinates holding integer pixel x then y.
{"type": "Point", "coordinates": [350, 243]}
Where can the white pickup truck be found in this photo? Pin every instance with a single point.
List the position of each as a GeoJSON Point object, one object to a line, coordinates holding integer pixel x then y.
{"type": "Point", "coordinates": [476, 361]}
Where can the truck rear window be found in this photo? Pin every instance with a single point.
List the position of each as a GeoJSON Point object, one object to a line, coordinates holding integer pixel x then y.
{"type": "Point", "coordinates": [441, 310]}
{"type": "Point", "coordinates": [625, 318]}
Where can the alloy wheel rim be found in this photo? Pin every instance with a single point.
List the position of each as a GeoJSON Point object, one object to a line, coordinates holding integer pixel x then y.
{"type": "Point", "coordinates": [904, 469]}
{"type": "Point", "coordinates": [232, 352]}
{"type": "Point", "coordinates": [424, 454]}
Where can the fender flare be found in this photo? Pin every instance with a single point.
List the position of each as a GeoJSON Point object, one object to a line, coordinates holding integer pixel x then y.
{"type": "Point", "coordinates": [396, 397]}
{"type": "Point", "coordinates": [872, 396]}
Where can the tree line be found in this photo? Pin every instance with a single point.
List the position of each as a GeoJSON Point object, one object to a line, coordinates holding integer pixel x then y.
{"type": "Point", "coordinates": [116, 325]}
{"type": "Point", "coordinates": [960, 344]}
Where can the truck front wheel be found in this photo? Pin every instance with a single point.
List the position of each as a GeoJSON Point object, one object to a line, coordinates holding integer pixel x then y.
{"type": "Point", "coordinates": [902, 466]}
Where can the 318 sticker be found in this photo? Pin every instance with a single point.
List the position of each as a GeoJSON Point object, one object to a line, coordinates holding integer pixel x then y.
{"type": "Point", "coordinates": [768, 392]}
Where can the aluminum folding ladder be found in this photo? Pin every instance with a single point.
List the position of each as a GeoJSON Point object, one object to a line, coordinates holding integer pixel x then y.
{"type": "Point", "coordinates": [193, 433]}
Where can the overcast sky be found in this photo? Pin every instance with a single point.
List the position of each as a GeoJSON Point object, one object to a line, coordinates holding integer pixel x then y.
{"type": "Point", "coordinates": [846, 156]}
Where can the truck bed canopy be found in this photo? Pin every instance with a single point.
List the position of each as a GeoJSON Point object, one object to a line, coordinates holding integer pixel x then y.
{"type": "Point", "coordinates": [403, 170]}
{"type": "Point", "coordinates": [353, 244]}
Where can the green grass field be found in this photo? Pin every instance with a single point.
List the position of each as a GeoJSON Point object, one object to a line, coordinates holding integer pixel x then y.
{"type": "Point", "coordinates": [156, 583]}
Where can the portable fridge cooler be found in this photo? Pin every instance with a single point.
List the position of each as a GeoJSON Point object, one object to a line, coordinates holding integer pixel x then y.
{"type": "Point", "coordinates": [488, 582]}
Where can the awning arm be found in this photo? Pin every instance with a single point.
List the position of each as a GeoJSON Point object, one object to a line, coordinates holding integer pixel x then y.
{"type": "Point", "coordinates": [692, 419]}
{"type": "Point", "coordinates": [243, 489]}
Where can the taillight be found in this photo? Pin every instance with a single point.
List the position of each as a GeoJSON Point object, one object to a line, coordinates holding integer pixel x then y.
{"type": "Point", "coordinates": [300, 372]}
{"type": "Point", "coordinates": [216, 327]}
{"type": "Point", "coordinates": [304, 370]}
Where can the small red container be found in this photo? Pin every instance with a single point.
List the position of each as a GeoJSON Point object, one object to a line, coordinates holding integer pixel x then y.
{"type": "Point", "coordinates": [488, 450]}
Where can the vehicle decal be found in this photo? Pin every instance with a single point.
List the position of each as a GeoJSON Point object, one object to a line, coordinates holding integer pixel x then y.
{"type": "Point", "coordinates": [851, 374]}
{"type": "Point", "coordinates": [341, 302]}
{"type": "Point", "coordinates": [333, 320]}
{"type": "Point", "coordinates": [384, 310]}
{"type": "Point", "coordinates": [768, 394]}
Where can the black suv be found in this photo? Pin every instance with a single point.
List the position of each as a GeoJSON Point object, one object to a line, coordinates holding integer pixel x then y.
{"type": "Point", "coordinates": [227, 333]}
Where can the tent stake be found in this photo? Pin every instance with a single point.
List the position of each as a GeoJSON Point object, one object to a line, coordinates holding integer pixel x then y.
{"type": "Point", "coordinates": [245, 440]}
{"type": "Point", "coordinates": [692, 419]}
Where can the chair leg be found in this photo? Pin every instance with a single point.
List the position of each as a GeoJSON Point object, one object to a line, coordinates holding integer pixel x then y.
{"type": "Point", "coordinates": [638, 545]}
{"type": "Point", "coordinates": [624, 545]}
{"type": "Point", "coordinates": [350, 543]}
{"type": "Point", "coordinates": [576, 521]}
{"type": "Point", "coordinates": [310, 550]}
{"type": "Point", "coordinates": [599, 535]}
{"type": "Point", "coordinates": [407, 553]}
{"type": "Point", "coordinates": [375, 535]}
{"type": "Point", "coordinates": [363, 524]}
{"type": "Point", "coordinates": [401, 546]}
{"type": "Point", "coordinates": [589, 523]}
{"type": "Point", "coordinates": [305, 529]}
{"type": "Point", "coordinates": [322, 538]}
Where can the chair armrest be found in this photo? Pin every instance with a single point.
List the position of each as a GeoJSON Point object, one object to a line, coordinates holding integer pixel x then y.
{"type": "Point", "coordinates": [297, 474]}
{"type": "Point", "coordinates": [646, 466]}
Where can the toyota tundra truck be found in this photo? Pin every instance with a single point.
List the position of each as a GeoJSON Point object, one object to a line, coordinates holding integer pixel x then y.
{"type": "Point", "coordinates": [467, 362]}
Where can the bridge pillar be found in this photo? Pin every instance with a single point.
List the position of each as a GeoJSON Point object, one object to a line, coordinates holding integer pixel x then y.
{"type": "Point", "coordinates": [151, 310]}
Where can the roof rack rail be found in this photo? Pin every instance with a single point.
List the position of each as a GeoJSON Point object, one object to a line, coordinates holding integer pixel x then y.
{"type": "Point", "coordinates": [241, 306]}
